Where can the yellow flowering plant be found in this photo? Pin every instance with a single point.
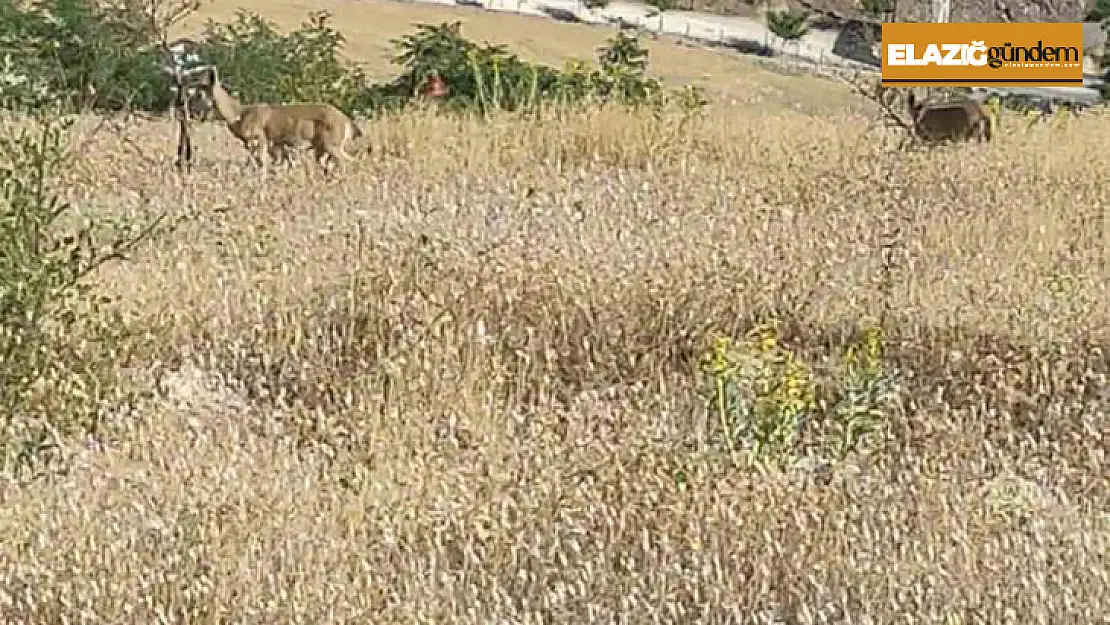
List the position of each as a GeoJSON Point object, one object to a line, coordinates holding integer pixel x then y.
{"type": "Point", "coordinates": [763, 394]}
{"type": "Point", "coordinates": [866, 386]}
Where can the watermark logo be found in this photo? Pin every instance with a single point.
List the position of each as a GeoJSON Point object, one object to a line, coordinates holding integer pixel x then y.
{"type": "Point", "coordinates": [970, 54]}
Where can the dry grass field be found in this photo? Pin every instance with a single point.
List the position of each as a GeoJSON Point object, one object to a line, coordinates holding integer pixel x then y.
{"type": "Point", "coordinates": [460, 382]}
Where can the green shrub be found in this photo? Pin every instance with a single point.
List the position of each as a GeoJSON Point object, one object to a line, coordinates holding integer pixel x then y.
{"type": "Point", "coordinates": [865, 390]}
{"type": "Point", "coordinates": [790, 24]}
{"type": "Point", "coordinates": [762, 394]}
{"type": "Point", "coordinates": [83, 55]}
{"type": "Point", "coordinates": [58, 343]}
{"type": "Point", "coordinates": [480, 77]}
{"type": "Point", "coordinates": [1099, 11]}
{"type": "Point", "coordinates": [877, 8]}
{"type": "Point", "coordinates": [75, 52]}
{"type": "Point", "coordinates": [488, 77]}
{"type": "Point", "coordinates": [260, 64]}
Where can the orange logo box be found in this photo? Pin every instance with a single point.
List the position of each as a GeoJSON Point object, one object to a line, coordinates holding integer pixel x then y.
{"type": "Point", "coordinates": [971, 54]}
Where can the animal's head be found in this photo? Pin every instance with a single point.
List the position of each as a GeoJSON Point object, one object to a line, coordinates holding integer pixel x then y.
{"type": "Point", "coordinates": [208, 81]}
{"type": "Point", "coordinates": [209, 88]}
{"type": "Point", "coordinates": [199, 103]}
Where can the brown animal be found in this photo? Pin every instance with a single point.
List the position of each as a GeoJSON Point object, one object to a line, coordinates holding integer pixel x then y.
{"type": "Point", "coordinates": [961, 120]}
{"type": "Point", "coordinates": [278, 128]}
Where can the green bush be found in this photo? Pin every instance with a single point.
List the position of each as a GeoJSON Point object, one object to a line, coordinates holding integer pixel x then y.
{"type": "Point", "coordinates": [790, 24]}
{"type": "Point", "coordinates": [260, 64]}
{"type": "Point", "coordinates": [81, 54]}
{"type": "Point", "coordinates": [489, 77]}
{"type": "Point", "coordinates": [84, 56]}
{"type": "Point", "coordinates": [480, 77]}
{"type": "Point", "coordinates": [877, 8]}
{"type": "Point", "coordinates": [1099, 11]}
{"type": "Point", "coordinates": [58, 343]}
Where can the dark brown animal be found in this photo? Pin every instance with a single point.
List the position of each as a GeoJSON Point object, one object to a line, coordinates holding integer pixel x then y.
{"type": "Point", "coordinates": [960, 120]}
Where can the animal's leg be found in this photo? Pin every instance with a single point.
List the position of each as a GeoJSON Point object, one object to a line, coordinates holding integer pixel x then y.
{"type": "Point", "coordinates": [265, 163]}
{"type": "Point", "coordinates": [259, 149]}
{"type": "Point", "coordinates": [254, 147]}
{"type": "Point", "coordinates": [325, 155]}
{"type": "Point", "coordinates": [284, 154]}
{"type": "Point", "coordinates": [274, 152]}
{"type": "Point", "coordinates": [327, 161]}
{"type": "Point", "coordinates": [339, 157]}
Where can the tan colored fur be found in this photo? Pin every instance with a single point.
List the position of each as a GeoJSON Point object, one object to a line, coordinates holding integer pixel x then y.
{"type": "Point", "coordinates": [279, 128]}
{"type": "Point", "coordinates": [961, 120]}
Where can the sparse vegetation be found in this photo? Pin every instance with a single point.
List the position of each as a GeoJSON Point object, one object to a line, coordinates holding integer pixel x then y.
{"type": "Point", "coordinates": [58, 338]}
{"type": "Point", "coordinates": [592, 363]}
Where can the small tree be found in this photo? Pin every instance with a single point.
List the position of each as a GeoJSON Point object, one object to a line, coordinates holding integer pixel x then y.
{"type": "Point", "coordinates": [790, 24]}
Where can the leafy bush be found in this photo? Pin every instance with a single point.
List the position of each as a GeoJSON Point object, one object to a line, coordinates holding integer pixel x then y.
{"type": "Point", "coordinates": [56, 341]}
{"type": "Point", "coordinates": [482, 77]}
{"type": "Point", "coordinates": [489, 77]}
{"type": "Point", "coordinates": [104, 58]}
{"type": "Point", "coordinates": [1098, 12]}
{"type": "Point", "coordinates": [260, 64]}
{"type": "Point", "coordinates": [790, 24]}
{"type": "Point", "coordinates": [82, 54]}
{"type": "Point", "coordinates": [865, 389]}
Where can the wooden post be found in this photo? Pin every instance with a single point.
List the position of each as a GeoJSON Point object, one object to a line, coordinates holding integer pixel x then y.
{"type": "Point", "coordinates": [184, 138]}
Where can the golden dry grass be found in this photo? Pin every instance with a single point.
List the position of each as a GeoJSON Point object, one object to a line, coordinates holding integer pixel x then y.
{"type": "Point", "coordinates": [458, 383]}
